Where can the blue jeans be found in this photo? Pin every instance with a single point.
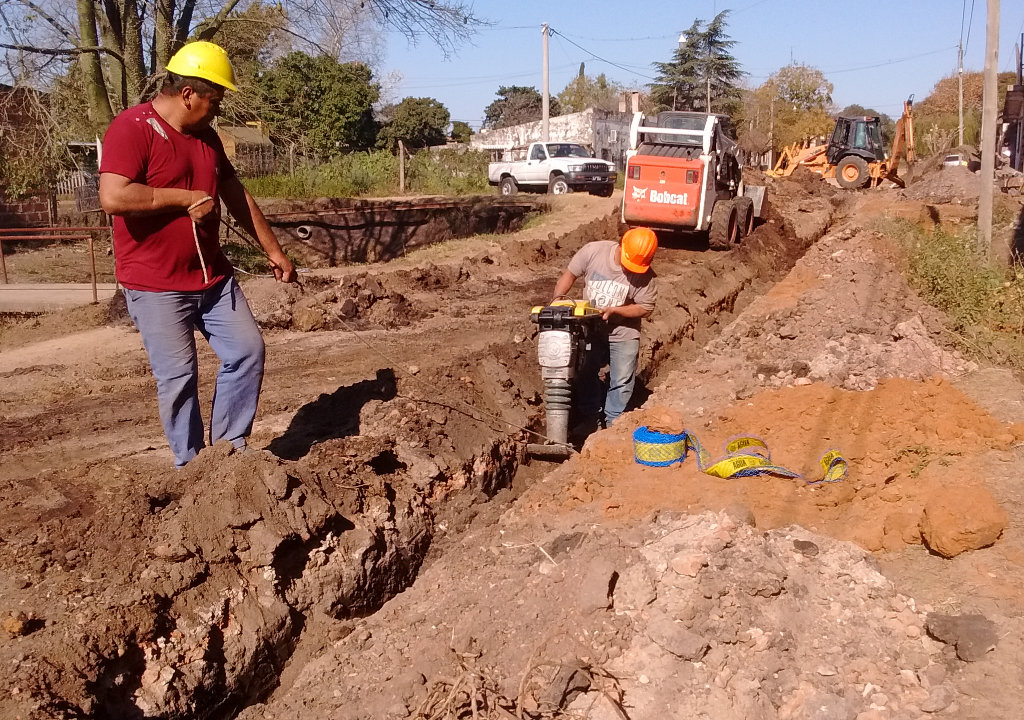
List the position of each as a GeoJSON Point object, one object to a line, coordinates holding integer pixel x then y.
{"type": "Point", "coordinates": [621, 358]}
{"type": "Point", "coordinates": [167, 322]}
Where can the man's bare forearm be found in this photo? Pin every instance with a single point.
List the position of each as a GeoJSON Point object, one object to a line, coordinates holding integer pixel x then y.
{"type": "Point", "coordinates": [119, 196]}
{"type": "Point", "coordinates": [629, 311]}
{"type": "Point", "coordinates": [565, 283]}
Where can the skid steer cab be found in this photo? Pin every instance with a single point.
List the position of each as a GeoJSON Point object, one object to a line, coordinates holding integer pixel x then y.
{"type": "Point", "coordinates": [565, 331]}
{"type": "Point", "coordinates": [683, 174]}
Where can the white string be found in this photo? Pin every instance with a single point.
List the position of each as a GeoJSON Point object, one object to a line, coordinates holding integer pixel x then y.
{"type": "Point", "coordinates": [195, 234]}
{"type": "Point", "coordinates": [202, 261]}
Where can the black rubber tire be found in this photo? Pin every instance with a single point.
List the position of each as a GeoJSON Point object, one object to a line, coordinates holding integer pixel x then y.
{"type": "Point", "coordinates": [725, 230]}
{"type": "Point", "coordinates": [508, 186]}
{"type": "Point", "coordinates": [558, 185]}
{"type": "Point", "coordinates": [745, 215]}
{"type": "Point", "coordinates": [603, 192]}
{"type": "Point", "coordinates": [852, 172]}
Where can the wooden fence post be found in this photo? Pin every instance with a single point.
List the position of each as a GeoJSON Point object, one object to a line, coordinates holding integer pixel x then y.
{"type": "Point", "coordinates": [92, 262]}
{"type": "Point", "coordinates": [401, 167]}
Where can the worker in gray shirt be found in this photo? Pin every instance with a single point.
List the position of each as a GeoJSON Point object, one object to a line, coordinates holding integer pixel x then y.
{"type": "Point", "coordinates": [619, 281]}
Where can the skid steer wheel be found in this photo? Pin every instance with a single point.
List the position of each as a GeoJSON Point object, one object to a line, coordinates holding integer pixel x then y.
{"type": "Point", "coordinates": [558, 185]}
{"type": "Point", "coordinates": [725, 228]}
{"type": "Point", "coordinates": [745, 215]}
{"type": "Point", "coordinates": [852, 172]}
{"type": "Point", "coordinates": [508, 186]}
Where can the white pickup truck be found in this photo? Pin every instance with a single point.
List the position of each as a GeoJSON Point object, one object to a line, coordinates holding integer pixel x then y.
{"type": "Point", "coordinates": [554, 167]}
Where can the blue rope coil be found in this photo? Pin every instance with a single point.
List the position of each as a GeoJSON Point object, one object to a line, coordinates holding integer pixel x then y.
{"type": "Point", "coordinates": [656, 449]}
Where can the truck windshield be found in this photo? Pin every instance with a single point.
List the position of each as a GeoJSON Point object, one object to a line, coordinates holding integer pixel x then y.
{"type": "Point", "coordinates": [567, 150]}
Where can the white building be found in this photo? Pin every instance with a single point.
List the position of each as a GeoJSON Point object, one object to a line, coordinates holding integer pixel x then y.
{"type": "Point", "coordinates": [604, 132]}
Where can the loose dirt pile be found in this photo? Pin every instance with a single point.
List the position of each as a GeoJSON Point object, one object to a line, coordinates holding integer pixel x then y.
{"type": "Point", "coordinates": [839, 355]}
{"type": "Point", "coordinates": [679, 616]}
{"type": "Point", "coordinates": [953, 185]}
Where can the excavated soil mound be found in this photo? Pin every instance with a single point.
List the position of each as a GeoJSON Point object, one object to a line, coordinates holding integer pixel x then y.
{"type": "Point", "coordinates": [954, 185]}
{"type": "Point", "coordinates": [838, 355]}
{"type": "Point", "coordinates": [677, 616]}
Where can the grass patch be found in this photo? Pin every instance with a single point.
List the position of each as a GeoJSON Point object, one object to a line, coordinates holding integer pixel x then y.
{"type": "Point", "coordinates": [375, 174]}
{"type": "Point", "coordinates": [246, 258]}
{"type": "Point", "coordinates": [984, 302]}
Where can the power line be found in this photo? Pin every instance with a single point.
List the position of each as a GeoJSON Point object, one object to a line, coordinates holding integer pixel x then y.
{"type": "Point", "coordinates": [622, 39]}
{"type": "Point", "coordinates": [480, 79]}
{"type": "Point", "coordinates": [969, 23]}
{"type": "Point", "coordinates": [599, 58]}
{"type": "Point", "coordinates": [890, 62]}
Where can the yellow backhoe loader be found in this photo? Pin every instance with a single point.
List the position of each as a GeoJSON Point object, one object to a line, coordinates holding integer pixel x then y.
{"type": "Point", "coordinates": [854, 154]}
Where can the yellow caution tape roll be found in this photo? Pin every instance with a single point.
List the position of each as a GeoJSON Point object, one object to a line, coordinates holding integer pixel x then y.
{"type": "Point", "coordinates": [745, 456]}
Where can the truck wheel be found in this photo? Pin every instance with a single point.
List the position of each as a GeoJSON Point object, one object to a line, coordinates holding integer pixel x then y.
{"type": "Point", "coordinates": [725, 230]}
{"type": "Point", "coordinates": [852, 172]}
{"type": "Point", "coordinates": [745, 215]}
{"type": "Point", "coordinates": [508, 186]}
{"type": "Point", "coordinates": [558, 185]}
{"type": "Point", "coordinates": [604, 191]}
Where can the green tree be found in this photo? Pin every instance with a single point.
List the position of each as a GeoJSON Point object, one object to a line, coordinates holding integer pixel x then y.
{"type": "Point", "coordinates": [515, 105]}
{"type": "Point", "coordinates": [679, 79]}
{"type": "Point", "coordinates": [320, 103]}
{"type": "Point", "coordinates": [802, 87]}
{"type": "Point", "coordinates": [584, 92]}
{"type": "Point", "coordinates": [703, 75]}
{"type": "Point", "coordinates": [801, 100]}
{"type": "Point", "coordinates": [461, 132]}
{"type": "Point", "coordinates": [119, 45]}
{"type": "Point", "coordinates": [417, 122]}
{"type": "Point", "coordinates": [721, 70]}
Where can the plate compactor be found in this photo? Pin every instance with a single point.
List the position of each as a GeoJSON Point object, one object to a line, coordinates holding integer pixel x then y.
{"type": "Point", "coordinates": [565, 329]}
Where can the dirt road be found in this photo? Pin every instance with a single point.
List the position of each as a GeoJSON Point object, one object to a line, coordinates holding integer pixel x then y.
{"type": "Point", "coordinates": [394, 408]}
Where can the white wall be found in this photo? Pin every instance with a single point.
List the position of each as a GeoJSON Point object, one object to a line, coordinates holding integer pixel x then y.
{"type": "Point", "coordinates": [605, 132]}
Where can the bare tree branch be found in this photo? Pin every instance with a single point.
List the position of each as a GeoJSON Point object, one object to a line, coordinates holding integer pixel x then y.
{"type": "Point", "coordinates": [268, 23]}
{"type": "Point", "coordinates": [210, 27]}
{"type": "Point", "coordinates": [65, 51]}
{"type": "Point", "coordinates": [447, 23]}
{"type": "Point", "coordinates": [49, 19]}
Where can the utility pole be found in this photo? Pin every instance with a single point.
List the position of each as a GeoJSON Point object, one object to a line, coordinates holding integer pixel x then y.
{"type": "Point", "coordinates": [960, 83]}
{"type": "Point", "coordinates": [545, 115]}
{"type": "Point", "coordinates": [1018, 162]}
{"type": "Point", "coordinates": [988, 137]}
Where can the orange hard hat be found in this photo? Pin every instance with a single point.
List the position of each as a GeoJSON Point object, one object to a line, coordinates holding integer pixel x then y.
{"type": "Point", "coordinates": [638, 246]}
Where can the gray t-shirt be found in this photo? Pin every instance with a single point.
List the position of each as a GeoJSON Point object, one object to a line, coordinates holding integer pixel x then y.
{"type": "Point", "coordinates": [609, 285]}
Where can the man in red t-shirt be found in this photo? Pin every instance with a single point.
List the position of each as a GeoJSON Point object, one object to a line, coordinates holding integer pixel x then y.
{"type": "Point", "coordinates": [163, 177]}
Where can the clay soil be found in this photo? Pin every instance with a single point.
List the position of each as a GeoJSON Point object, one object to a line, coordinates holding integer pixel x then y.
{"type": "Point", "coordinates": [384, 550]}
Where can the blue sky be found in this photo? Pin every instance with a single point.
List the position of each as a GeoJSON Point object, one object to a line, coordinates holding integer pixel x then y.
{"type": "Point", "coordinates": [874, 53]}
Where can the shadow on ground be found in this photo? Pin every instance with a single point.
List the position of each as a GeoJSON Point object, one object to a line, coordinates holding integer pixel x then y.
{"type": "Point", "coordinates": [332, 416]}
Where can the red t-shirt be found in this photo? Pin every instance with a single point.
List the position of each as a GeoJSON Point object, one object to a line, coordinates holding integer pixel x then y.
{"type": "Point", "coordinates": [158, 252]}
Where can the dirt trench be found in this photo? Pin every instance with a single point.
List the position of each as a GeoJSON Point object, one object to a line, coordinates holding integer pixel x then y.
{"type": "Point", "coordinates": [148, 593]}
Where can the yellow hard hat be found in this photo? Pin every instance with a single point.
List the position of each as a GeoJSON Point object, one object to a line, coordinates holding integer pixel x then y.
{"type": "Point", "coordinates": [203, 60]}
